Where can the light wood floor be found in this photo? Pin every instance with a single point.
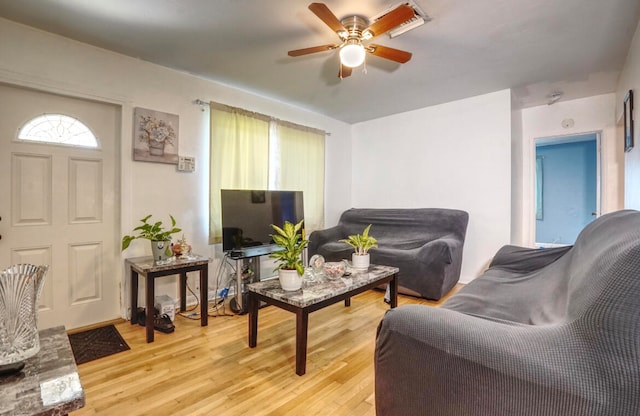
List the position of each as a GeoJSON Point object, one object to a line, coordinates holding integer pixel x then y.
{"type": "Point", "coordinates": [212, 371]}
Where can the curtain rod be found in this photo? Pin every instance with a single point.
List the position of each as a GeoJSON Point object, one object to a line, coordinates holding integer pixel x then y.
{"type": "Point", "coordinates": [203, 103]}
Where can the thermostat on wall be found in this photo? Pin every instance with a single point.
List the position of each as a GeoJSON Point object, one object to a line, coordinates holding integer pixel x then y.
{"type": "Point", "coordinates": [186, 163]}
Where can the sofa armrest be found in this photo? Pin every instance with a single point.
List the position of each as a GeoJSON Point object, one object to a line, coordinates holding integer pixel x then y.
{"type": "Point", "coordinates": [440, 250]}
{"type": "Point", "coordinates": [319, 237]}
{"type": "Point", "coordinates": [523, 259]}
{"type": "Point", "coordinates": [453, 363]}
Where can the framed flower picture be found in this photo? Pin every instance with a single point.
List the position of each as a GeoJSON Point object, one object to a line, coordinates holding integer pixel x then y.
{"type": "Point", "coordinates": [155, 136]}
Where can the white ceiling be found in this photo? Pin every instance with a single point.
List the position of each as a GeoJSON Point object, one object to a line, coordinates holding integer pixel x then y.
{"type": "Point", "coordinates": [535, 47]}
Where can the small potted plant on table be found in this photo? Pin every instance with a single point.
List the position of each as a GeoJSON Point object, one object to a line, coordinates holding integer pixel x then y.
{"type": "Point", "coordinates": [159, 236]}
{"type": "Point", "coordinates": [361, 244]}
{"type": "Point", "coordinates": [289, 259]}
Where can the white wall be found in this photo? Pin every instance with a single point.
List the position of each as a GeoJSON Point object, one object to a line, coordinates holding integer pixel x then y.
{"type": "Point", "coordinates": [37, 59]}
{"type": "Point", "coordinates": [516, 171]}
{"type": "Point", "coordinates": [630, 80]}
{"type": "Point", "coordinates": [454, 155]}
{"type": "Point", "coordinates": [592, 114]}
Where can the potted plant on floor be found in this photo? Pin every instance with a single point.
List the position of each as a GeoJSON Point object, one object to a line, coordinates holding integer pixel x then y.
{"type": "Point", "coordinates": [361, 244]}
{"type": "Point", "coordinates": [289, 258]}
{"type": "Point", "coordinates": [159, 236]}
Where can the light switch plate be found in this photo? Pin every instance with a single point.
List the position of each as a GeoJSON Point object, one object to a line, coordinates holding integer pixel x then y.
{"type": "Point", "coordinates": [186, 163]}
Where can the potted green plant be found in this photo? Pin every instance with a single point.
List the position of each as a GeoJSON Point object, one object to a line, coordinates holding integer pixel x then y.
{"type": "Point", "coordinates": [361, 244]}
{"type": "Point", "coordinates": [159, 236]}
{"type": "Point", "coordinates": [289, 258]}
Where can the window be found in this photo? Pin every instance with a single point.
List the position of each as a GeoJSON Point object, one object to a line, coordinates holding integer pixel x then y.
{"type": "Point", "coordinates": [58, 129]}
{"type": "Point", "coordinates": [299, 165]}
{"type": "Point", "coordinates": [254, 151]}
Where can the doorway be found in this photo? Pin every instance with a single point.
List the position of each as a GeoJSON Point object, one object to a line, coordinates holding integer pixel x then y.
{"type": "Point", "coordinates": [60, 202]}
{"type": "Point", "coordinates": [567, 187]}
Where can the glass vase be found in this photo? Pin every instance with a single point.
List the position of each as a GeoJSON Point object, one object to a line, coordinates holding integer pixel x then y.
{"type": "Point", "coordinates": [20, 287]}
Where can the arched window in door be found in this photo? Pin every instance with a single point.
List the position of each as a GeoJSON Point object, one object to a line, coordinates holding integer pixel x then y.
{"type": "Point", "coordinates": [58, 129]}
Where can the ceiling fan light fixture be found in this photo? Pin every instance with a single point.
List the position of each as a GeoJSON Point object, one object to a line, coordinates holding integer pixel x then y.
{"type": "Point", "coordinates": [352, 54]}
{"type": "Point", "coordinates": [354, 30]}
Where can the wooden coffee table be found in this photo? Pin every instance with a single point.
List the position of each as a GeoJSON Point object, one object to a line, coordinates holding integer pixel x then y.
{"type": "Point", "coordinates": [314, 296]}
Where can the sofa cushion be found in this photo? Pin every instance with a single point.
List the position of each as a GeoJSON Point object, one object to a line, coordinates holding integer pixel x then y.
{"type": "Point", "coordinates": [505, 289]}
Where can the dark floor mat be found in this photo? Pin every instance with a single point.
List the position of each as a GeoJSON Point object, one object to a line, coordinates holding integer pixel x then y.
{"type": "Point", "coordinates": [96, 343]}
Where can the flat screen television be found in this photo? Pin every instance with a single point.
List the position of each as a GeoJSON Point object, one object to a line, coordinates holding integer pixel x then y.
{"type": "Point", "coordinates": [247, 216]}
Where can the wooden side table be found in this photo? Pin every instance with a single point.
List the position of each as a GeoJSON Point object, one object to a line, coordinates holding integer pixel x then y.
{"type": "Point", "coordinates": [145, 266]}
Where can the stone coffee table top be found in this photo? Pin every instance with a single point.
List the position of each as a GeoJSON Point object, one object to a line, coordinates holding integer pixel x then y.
{"type": "Point", "coordinates": [314, 291]}
{"type": "Point", "coordinates": [48, 385]}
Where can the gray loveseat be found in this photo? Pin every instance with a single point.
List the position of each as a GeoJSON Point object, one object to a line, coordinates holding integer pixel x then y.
{"type": "Point", "coordinates": [541, 332]}
{"type": "Point", "coordinates": [424, 243]}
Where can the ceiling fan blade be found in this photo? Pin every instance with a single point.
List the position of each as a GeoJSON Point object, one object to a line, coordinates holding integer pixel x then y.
{"type": "Point", "coordinates": [390, 20]}
{"type": "Point", "coordinates": [322, 11]}
{"type": "Point", "coordinates": [345, 71]}
{"type": "Point", "coordinates": [313, 49]}
{"type": "Point", "coordinates": [389, 53]}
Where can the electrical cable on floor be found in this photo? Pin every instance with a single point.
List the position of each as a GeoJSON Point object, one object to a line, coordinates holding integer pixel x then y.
{"type": "Point", "coordinates": [217, 305]}
{"type": "Point", "coordinates": [221, 296]}
{"type": "Point", "coordinates": [214, 311]}
{"type": "Point", "coordinates": [193, 316]}
{"type": "Point", "coordinates": [217, 301]}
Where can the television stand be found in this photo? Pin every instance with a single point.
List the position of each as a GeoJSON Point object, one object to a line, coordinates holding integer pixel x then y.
{"type": "Point", "coordinates": [242, 256]}
{"type": "Point", "coordinates": [250, 252]}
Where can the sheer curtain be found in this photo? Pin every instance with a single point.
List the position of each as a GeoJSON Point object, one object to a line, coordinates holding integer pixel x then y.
{"type": "Point", "coordinates": [299, 155]}
{"type": "Point", "coordinates": [254, 151]}
{"type": "Point", "coordinates": [239, 157]}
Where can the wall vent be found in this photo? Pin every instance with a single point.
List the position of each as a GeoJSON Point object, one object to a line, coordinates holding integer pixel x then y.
{"type": "Point", "coordinates": [419, 18]}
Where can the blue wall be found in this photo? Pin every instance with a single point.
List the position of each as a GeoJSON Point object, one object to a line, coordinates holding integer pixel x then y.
{"type": "Point", "coordinates": [569, 190]}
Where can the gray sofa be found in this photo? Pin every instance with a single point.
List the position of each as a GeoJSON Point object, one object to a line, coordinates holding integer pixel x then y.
{"type": "Point", "coordinates": [424, 243]}
{"type": "Point", "coordinates": [541, 332]}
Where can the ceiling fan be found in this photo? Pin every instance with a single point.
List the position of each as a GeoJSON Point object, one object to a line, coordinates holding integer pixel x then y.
{"type": "Point", "coordinates": [353, 31]}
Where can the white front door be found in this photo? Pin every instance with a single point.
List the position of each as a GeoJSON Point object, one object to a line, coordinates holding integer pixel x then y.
{"type": "Point", "coordinates": [59, 206]}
